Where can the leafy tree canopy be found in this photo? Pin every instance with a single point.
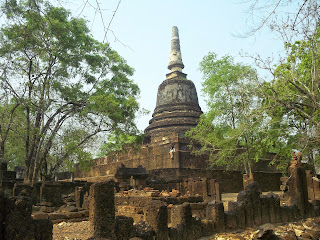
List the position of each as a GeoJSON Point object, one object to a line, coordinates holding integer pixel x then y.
{"type": "Point", "coordinates": [294, 95]}
{"type": "Point", "coordinates": [69, 86]}
{"type": "Point", "coordinates": [236, 130]}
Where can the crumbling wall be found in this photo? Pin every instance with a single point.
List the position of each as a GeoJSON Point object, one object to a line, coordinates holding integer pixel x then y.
{"type": "Point", "coordinates": [313, 183]}
{"type": "Point", "coordinates": [178, 221]}
{"type": "Point", "coordinates": [16, 222]}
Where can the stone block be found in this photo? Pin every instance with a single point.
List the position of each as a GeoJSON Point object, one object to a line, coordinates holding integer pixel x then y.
{"type": "Point", "coordinates": [66, 209]}
{"type": "Point", "coordinates": [40, 215]}
{"type": "Point", "coordinates": [156, 215]}
{"type": "Point", "coordinates": [181, 215]}
{"type": "Point", "coordinates": [291, 215]}
{"type": "Point", "coordinates": [285, 212]}
{"type": "Point", "coordinates": [102, 210]}
{"type": "Point", "coordinates": [43, 229]}
{"type": "Point", "coordinates": [207, 227]}
{"type": "Point", "coordinates": [265, 209]}
{"type": "Point", "coordinates": [144, 230]}
{"type": "Point", "coordinates": [181, 219]}
{"type": "Point", "coordinates": [55, 216]}
{"type": "Point", "coordinates": [232, 206]}
{"type": "Point", "coordinates": [298, 189]}
{"type": "Point", "coordinates": [231, 220]}
{"type": "Point", "coordinates": [124, 228]}
{"type": "Point", "coordinates": [18, 222]}
{"type": "Point", "coordinates": [215, 212]}
{"type": "Point", "coordinates": [47, 209]}
{"type": "Point", "coordinates": [316, 205]}
{"type": "Point", "coordinates": [244, 200]}
{"type": "Point", "coordinates": [72, 215]}
{"type": "Point", "coordinates": [275, 212]}
{"type": "Point", "coordinates": [51, 192]}
{"type": "Point", "coordinates": [240, 216]}
{"type": "Point", "coordinates": [23, 189]}
{"type": "Point", "coordinates": [254, 191]}
{"type": "Point", "coordinates": [196, 229]}
{"type": "Point", "coordinates": [79, 196]}
{"type": "Point", "coordinates": [85, 213]}
{"type": "Point", "coordinates": [86, 201]}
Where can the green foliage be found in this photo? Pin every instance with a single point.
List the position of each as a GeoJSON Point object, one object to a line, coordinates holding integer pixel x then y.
{"type": "Point", "coordinates": [227, 131]}
{"type": "Point", "coordinates": [61, 77]}
{"type": "Point", "coordinates": [293, 96]}
{"type": "Point", "coordinates": [236, 131]}
{"type": "Point", "coordinates": [116, 142]}
{"type": "Point", "coordinates": [11, 132]}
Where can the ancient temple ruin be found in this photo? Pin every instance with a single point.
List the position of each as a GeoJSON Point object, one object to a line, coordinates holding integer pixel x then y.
{"type": "Point", "coordinates": [165, 152]}
{"type": "Point", "coordinates": [177, 110]}
{"type": "Point", "coordinates": [161, 191]}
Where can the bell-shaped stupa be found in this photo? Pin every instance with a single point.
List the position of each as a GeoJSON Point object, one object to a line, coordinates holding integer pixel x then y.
{"type": "Point", "coordinates": [177, 108]}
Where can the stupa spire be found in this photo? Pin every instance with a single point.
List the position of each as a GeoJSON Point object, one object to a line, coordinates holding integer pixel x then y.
{"type": "Point", "coordinates": [175, 59]}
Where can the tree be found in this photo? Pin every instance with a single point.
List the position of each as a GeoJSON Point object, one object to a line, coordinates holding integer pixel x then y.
{"type": "Point", "coordinates": [238, 129]}
{"type": "Point", "coordinates": [292, 18]}
{"type": "Point", "coordinates": [228, 130]}
{"type": "Point", "coordinates": [294, 94]}
{"type": "Point", "coordinates": [117, 141]}
{"type": "Point", "coordinates": [62, 77]}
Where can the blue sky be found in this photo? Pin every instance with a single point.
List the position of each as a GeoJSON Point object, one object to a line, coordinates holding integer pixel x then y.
{"type": "Point", "coordinates": [141, 32]}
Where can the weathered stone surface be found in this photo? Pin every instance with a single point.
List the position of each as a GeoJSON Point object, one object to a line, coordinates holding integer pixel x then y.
{"type": "Point", "coordinates": [144, 230]}
{"type": "Point", "coordinates": [55, 216]}
{"type": "Point", "coordinates": [275, 212]}
{"type": "Point", "coordinates": [290, 235]}
{"type": "Point", "coordinates": [51, 192]}
{"type": "Point", "coordinates": [40, 215]}
{"type": "Point", "coordinates": [43, 229]}
{"type": "Point", "coordinates": [207, 227]}
{"type": "Point", "coordinates": [241, 216]}
{"type": "Point", "coordinates": [18, 222]}
{"type": "Point", "coordinates": [124, 228]}
{"type": "Point", "coordinates": [182, 221]}
{"type": "Point", "coordinates": [253, 189]}
{"type": "Point", "coordinates": [215, 212]}
{"type": "Point", "coordinates": [298, 188]}
{"type": "Point", "coordinates": [156, 215]}
{"type": "Point", "coordinates": [265, 208]}
{"type": "Point", "coordinates": [181, 215]}
{"type": "Point", "coordinates": [284, 210]}
{"type": "Point", "coordinates": [175, 59]}
{"type": "Point", "coordinates": [102, 210]}
{"type": "Point", "coordinates": [244, 200]}
{"type": "Point", "coordinates": [66, 208]}
{"type": "Point", "coordinates": [79, 195]}
{"type": "Point", "coordinates": [231, 220]}
{"type": "Point", "coordinates": [177, 107]}
{"type": "Point", "coordinates": [265, 232]}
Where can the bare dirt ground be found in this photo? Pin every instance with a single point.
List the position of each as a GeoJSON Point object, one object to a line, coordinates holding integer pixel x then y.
{"type": "Point", "coordinates": [71, 231]}
{"type": "Point", "coordinates": [80, 231]}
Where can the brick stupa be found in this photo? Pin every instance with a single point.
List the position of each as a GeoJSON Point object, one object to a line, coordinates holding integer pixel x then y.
{"type": "Point", "coordinates": [177, 108]}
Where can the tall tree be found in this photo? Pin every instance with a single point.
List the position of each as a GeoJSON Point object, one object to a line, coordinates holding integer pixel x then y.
{"type": "Point", "coordinates": [228, 130]}
{"type": "Point", "coordinates": [294, 93]}
{"type": "Point", "coordinates": [61, 76]}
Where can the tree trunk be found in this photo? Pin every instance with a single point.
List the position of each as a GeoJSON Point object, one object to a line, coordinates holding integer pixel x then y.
{"type": "Point", "coordinates": [1, 161]}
